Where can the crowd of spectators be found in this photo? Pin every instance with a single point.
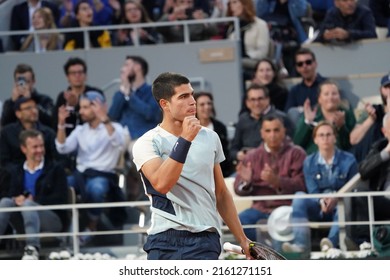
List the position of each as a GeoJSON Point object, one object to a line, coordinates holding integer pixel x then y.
{"type": "Point", "coordinates": [275, 130]}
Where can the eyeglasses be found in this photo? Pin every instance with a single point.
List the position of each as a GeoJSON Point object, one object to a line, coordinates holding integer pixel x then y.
{"type": "Point", "coordinates": [29, 108]}
{"type": "Point", "coordinates": [258, 99]}
{"type": "Point", "coordinates": [307, 62]}
{"type": "Point", "coordinates": [80, 72]}
{"type": "Point", "coordinates": [324, 135]}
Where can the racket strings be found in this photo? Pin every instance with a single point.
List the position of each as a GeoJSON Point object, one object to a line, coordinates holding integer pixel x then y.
{"type": "Point", "coordinates": [261, 252]}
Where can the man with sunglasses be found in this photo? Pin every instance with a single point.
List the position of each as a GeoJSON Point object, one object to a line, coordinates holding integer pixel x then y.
{"type": "Point", "coordinates": [306, 66]}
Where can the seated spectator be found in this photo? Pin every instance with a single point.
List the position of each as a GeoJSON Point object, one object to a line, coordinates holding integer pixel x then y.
{"type": "Point", "coordinates": [284, 13]}
{"type": "Point", "coordinates": [205, 112]}
{"type": "Point", "coordinates": [331, 108]}
{"type": "Point", "coordinates": [185, 10]}
{"type": "Point", "coordinates": [381, 12]}
{"type": "Point", "coordinates": [135, 13]}
{"type": "Point", "coordinates": [306, 65]}
{"type": "Point", "coordinates": [35, 182]}
{"type": "Point", "coordinates": [21, 18]}
{"type": "Point", "coordinates": [268, 75]}
{"type": "Point", "coordinates": [98, 144]}
{"type": "Point", "coordinates": [255, 39]}
{"type": "Point", "coordinates": [104, 12]}
{"type": "Point", "coordinates": [24, 85]}
{"type": "Point", "coordinates": [325, 171]}
{"type": "Point", "coordinates": [83, 18]}
{"type": "Point", "coordinates": [369, 127]}
{"type": "Point", "coordinates": [374, 168]}
{"type": "Point", "coordinates": [319, 9]}
{"type": "Point", "coordinates": [286, 29]}
{"type": "Point", "coordinates": [26, 111]}
{"type": "Point", "coordinates": [347, 22]}
{"type": "Point", "coordinates": [247, 129]}
{"type": "Point", "coordinates": [42, 19]}
{"type": "Point", "coordinates": [273, 168]}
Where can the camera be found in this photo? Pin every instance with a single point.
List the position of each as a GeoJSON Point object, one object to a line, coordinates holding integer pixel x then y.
{"type": "Point", "coordinates": [21, 81]}
{"type": "Point", "coordinates": [189, 12]}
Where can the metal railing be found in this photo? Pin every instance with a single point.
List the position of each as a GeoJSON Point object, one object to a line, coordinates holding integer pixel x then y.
{"type": "Point", "coordinates": [75, 233]}
{"type": "Point", "coordinates": [136, 27]}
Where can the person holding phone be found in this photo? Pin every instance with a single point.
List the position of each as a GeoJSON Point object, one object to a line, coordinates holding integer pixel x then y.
{"type": "Point", "coordinates": [24, 86]}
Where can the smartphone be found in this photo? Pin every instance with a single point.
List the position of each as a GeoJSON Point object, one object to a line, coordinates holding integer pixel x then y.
{"type": "Point", "coordinates": [21, 81]}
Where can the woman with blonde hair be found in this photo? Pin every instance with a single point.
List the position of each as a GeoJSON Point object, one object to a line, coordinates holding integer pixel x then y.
{"type": "Point", "coordinates": [42, 19]}
{"type": "Point", "coordinates": [331, 108]}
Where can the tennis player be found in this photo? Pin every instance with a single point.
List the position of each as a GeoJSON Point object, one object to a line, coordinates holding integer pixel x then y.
{"type": "Point", "coordinates": [179, 162]}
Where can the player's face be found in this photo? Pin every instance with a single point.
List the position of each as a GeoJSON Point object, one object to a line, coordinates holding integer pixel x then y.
{"type": "Point", "coordinates": [182, 104]}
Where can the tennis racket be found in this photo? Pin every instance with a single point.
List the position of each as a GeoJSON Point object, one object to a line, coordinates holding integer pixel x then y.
{"type": "Point", "coordinates": [257, 250]}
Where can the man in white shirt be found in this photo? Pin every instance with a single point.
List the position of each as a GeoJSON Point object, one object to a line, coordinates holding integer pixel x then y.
{"type": "Point", "coordinates": [99, 144]}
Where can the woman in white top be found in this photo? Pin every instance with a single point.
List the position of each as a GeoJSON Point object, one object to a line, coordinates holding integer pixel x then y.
{"type": "Point", "coordinates": [254, 31]}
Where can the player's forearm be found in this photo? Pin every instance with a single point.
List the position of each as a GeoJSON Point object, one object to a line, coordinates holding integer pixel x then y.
{"type": "Point", "coordinates": [228, 212]}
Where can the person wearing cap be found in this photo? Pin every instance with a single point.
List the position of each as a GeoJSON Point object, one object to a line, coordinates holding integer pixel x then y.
{"type": "Point", "coordinates": [369, 127]}
{"type": "Point", "coordinates": [26, 111]}
{"type": "Point", "coordinates": [24, 85]}
{"type": "Point", "coordinates": [273, 168]}
{"type": "Point", "coordinates": [325, 171]}
{"type": "Point", "coordinates": [98, 143]}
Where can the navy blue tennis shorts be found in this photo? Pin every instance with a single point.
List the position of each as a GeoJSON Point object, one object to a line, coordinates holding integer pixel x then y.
{"type": "Point", "coordinates": [183, 245]}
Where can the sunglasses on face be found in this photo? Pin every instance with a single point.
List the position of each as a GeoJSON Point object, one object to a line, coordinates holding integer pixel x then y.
{"type": "Point", "coordinates": [307, 62]}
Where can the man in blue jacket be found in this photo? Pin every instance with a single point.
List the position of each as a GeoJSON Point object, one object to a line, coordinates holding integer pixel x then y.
{"type": "Point", "coordinates": [348, 21]}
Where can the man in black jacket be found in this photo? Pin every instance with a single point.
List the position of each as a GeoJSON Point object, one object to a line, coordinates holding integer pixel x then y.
{"type": "Point", "coordinates": [35, 182]}
{"type": "Point", "coordinates": [24, 86]}
{"type": "Point", "coordinates": [26, 111]}
{"type": "Point", "coordinates": [375, 169]}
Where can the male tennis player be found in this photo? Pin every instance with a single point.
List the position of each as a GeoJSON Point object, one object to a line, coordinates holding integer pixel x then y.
{"type": "Point", "coordinates": [179, 162]}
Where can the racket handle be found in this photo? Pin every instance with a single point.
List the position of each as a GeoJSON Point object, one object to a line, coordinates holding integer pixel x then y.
{"type": "Point", "coordinates": [227, 246]}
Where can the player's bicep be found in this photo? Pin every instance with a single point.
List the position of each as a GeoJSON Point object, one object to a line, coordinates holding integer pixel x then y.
{"type": "Point", "coordinates": [150, 169]}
